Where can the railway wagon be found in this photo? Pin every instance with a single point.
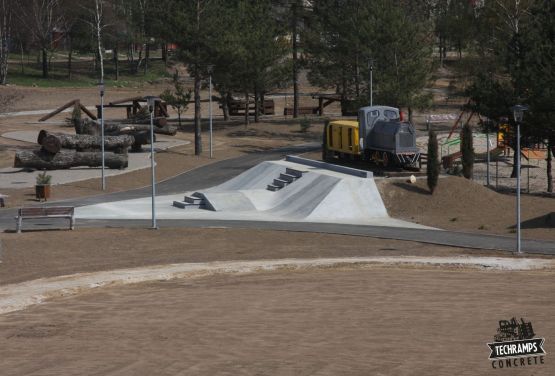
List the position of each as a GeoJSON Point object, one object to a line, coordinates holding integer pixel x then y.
{"type": "Point", "coordinates": [379, 135]}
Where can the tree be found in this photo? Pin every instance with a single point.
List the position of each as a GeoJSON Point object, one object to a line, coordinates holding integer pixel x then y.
{"type": "Point", "coordinates": [6, 7]}
{"type": "Point", "coordinates": [467, 150]}
{"type": "Point", "coordinates": [432, 166]}
{"type": "Point", "coordinates": [41, 17]}
{"type": "Point", "coordinates": [196, 24]}
{"type": "Point", "coordinates": [179, 98]}
{"type": "Point", "coordinates": [537, 75]}
{"type": "Point", "coordinates": [345, 34]}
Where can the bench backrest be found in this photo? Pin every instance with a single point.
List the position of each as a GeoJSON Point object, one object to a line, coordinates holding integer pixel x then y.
{"type": "Point", "coordinates": [46, 211]}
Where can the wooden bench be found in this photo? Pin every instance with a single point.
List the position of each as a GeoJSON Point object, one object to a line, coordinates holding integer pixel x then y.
{"type": "Point", "coordinates": [45, 212]}
{"type": "Point", "coordinates": [447, 160]}
{"type": "Point", "coordinates": [302, 111]}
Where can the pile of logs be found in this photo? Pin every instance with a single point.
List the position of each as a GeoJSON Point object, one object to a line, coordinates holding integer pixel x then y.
{"type": "Point", "coordinates": [140, 132]}
{"type": "Point", "coordinates": [63, 151]}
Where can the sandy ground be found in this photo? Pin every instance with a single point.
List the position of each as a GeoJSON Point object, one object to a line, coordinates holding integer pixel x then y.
{"type": "Point", "coordinates": [463, 205]}
{"type": "Point", "coordinates": [377, 321]}
{"type": "Point", "coordinates": [38, 254]}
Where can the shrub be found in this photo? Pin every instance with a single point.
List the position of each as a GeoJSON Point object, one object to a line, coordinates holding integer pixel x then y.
{"type": "Point", "coordinates": [432, 168]}
{"type": "Point", "coordinates": [305, 125]}
{"type": "Point", "coordinates": [43, 179]}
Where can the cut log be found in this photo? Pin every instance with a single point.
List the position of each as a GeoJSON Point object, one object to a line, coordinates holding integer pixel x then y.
{"type": "Point", "coordinates": [53, 142]}
{"type": "Point", "coordinates": [43, 160]}
{"type": "Point", "coordinates": [93, 129]}
{"type": "Point", "coordinates": [158, 121]}
{"type": "Point", "coordinates": [115, 129]}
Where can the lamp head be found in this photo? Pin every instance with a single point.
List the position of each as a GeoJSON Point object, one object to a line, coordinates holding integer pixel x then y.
{"type": "Point", "coordinates": [210, 68]}
{"type": "Point", "coordinates": [150, 99]}
{"type": "Point", "coordinates": [518, 112]}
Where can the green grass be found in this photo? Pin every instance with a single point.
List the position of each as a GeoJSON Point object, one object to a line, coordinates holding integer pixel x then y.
{"type": "Point", "coordinates": [83, 75]}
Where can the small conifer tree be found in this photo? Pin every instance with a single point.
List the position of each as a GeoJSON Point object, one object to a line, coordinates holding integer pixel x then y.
{"type": "Point", "coordinates": [432, 167]}
{"type": "Point", "coordinates": [467, 150]}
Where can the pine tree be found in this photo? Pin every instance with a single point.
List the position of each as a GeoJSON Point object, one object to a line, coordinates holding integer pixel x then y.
{"type": "Point", "coordinates": [467, 150]}
{"type": "Point", "coordinates": [432, 167]}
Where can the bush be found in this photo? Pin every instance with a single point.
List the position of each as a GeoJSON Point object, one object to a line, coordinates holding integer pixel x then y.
{"type": "Point", "coordinates": [432, 168]}
{"type": "Point", "coordinates": [305, 125]}
{"type": "Point", "coordinates": [467, 150]}
{"type": "Point", "coordinates": [43, 179]}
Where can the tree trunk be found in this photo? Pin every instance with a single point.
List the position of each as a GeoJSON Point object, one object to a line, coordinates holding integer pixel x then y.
{"type": "Point", "coordinates": [295, 62]}
{"type": "Point", "coordinates": [147, 56]}
{"type": "Point", "coordinates": [246, 109]}
{"type": "Point", "coordinates": [5, 25]}
{"type": "Point", "coordinates": [256, 106]}
{"type": "Point", "coordinates": [43, 160]}
{"type": "Point", "coordinates": [226, 98]}
{"type": "Point", "coordinates": [21, 60]}
{"type": "Point", "coordinates": [69, 56]}
{"type": "Point", "coordinates": [165, 54]}
{"type": "Point", "coordinates": [116, 62]}
{"type": "Point", "coordinates": [357, 77]}
{"type": "Point", "coordinates": [513, 171]}
{"type": "Point", "coordinates": [54, 142]}
{"type": "Point", "coordinates": [44, 63]}
{"type": "Point", "coordinates": [549, 170]}
{"type": "Point", "coordinates": [198, 135]}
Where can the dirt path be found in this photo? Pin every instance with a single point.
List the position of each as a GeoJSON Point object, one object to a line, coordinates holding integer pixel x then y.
{"type": "Point", "coordinates": [378, 321]}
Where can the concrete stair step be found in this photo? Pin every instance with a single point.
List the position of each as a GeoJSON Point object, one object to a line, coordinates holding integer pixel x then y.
{"type": "Point", "coordinates": [273, 188]}
{"type": "Point", "coordinates": [194, 200]}
{"type": "Point", "coordinates": [293, 172]}
{"type": "Point", "coordinates": [280, 183]}
{"type": "Point", "coordinates": [186, 205]}
{"type": "Point", "coordinates": [287, 177]}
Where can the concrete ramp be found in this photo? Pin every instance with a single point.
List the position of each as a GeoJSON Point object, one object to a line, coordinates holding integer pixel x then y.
{"type": "Point", "coordinates": [287, 190]}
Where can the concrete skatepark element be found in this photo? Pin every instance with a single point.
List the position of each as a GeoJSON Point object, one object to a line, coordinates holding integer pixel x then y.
{"type": "Point", "coordinates": [316, 194]}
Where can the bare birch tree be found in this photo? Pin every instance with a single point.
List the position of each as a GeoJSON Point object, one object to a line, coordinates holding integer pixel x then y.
{"type": "Point", "coordinates": [97, 24]}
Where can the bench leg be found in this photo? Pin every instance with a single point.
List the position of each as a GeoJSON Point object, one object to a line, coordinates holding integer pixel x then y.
{"type": "Point", "coordinates": [18, 226]}
{"type": "Point", "coordinates": [72, 223]}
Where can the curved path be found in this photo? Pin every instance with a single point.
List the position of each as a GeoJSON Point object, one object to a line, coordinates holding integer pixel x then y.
{"type": "Point", "coordinates": [219, 172]}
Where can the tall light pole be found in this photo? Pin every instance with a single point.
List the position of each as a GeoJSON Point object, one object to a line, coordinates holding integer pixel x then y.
{"type": "Point", "coordinates": [210, 69]}
{"type": "Point", "coordinates": [151, 100]}
{"type": "Point", "coordinates": [518, 114]}
{"type": "Point", "coordinates": [370, 84]}
{"type": "Point", "coordinates": [101, 88]}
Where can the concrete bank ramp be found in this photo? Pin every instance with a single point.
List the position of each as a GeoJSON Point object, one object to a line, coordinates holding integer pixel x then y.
{"type": "Point", "coordinates": [292, 190]}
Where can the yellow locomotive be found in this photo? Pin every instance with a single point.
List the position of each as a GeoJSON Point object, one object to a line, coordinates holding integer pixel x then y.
{"type": "Point", "coordinates": [379, 135]}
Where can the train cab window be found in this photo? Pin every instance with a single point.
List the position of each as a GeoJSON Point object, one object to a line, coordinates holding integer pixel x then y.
{"type": "Point", "coordinates": [371, 117]}
{"type": "Point", "coordinates": [351, 138]}
{"type": "Point", "coordinates": [391, 115]}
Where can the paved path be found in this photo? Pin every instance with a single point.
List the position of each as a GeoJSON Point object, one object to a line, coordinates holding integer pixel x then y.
{"type": "Point", "coordinates": [222, 171]}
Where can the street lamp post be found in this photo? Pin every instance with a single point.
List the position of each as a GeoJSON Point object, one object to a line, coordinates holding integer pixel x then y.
{"type": "Point", "coordinates": [370, 84]}
{"type": "Point", "coordinates": [151, 100]}
{"type": "Point", "coordinates": [518, 114]}
{"type": "Point", "coordinates": [210, 69]}
{"type": "Point", "coordinates": [101, 89]}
